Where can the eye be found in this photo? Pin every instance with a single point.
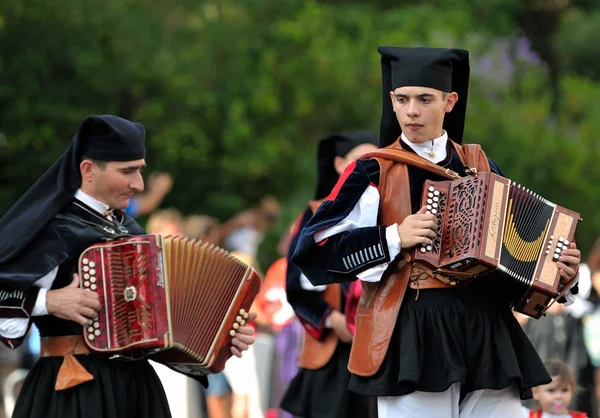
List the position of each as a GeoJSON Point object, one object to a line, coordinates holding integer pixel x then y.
{"type": "Point", "coordinates": [401, 99]}
{"type": "Point", "coordinates": [425, 100]}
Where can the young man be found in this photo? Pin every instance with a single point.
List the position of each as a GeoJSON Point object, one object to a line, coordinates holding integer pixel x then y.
{"type": "Point", "coordinates": [424, 347]}
{"type": "Point", "coordinates": [320, 389]}
{"type": "Point", "coordinates": [75, 204]}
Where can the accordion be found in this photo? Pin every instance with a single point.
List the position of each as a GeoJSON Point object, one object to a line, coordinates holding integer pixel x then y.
{"type": "Point", "coordinates": [488, 223]}
{"type": "Point", "coordinates": [176, 300]}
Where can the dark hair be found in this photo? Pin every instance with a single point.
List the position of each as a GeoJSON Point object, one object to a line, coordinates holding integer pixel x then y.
{"type": "Point", "coordinates": [100, 163]}
{"type": "Point", "coordinates": [560, 371]}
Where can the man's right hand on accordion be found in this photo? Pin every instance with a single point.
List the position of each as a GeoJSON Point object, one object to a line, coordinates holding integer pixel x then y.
{"type": "Point", "coordinates": [244, 337]}
{"type": "Point", "coordinates": [416, 229]}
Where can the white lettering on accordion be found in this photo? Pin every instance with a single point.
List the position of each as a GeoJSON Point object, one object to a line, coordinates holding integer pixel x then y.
{"type": "Point", "coordinates": [159, 271]}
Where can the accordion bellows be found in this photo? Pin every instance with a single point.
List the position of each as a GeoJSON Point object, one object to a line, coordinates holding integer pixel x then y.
{"type": "Point", "coordinates": [174, 299]}
{"type": "Point", "coordinates": [486, 223]}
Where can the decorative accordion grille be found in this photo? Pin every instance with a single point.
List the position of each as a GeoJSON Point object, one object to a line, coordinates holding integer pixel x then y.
{"type": "Point", "coordinates": [464, 219]}
{"type": "Point", "coordinates": [128, 271]}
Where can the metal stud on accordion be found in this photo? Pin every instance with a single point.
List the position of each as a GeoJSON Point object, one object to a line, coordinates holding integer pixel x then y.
{"type": "Point", "coordinates": [488, 223]}
{"type": "Point", "coordinates": [173, 298]}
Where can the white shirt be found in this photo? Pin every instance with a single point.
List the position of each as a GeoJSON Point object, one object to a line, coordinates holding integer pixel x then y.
{"type": "Point", "coordinates": [17, 327]}
{"type": "Point", "coordinates": [436, 147]}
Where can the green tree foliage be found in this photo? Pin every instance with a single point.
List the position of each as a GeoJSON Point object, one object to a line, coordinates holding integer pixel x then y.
{"type": "Point", "coordinates": [235, 94]}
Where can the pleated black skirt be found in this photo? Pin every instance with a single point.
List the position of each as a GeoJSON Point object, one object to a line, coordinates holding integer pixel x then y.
{"type": "Point", "coordinates": [323, 393]}
{"type": "Point", "coordinates": [119, 390]}
{"type": "Point", "coordinates": [455, 335]}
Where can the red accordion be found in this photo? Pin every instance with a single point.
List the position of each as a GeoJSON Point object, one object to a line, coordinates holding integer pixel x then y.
{"type": "Point", "coordinates": [486, 223]}
{"type": "Point", "coordinates": [174, 299]}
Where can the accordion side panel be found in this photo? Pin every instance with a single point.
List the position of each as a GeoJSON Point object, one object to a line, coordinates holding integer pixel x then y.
{"type": "Point", "coordinates": [249, 289]}
{"type": "Point", "coordinates": [563, 226]}
{"type": "Point", "coordinates": [496, 210]}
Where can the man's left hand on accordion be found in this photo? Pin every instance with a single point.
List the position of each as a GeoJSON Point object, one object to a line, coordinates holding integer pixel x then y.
{"type": "Point", "coordinates": [244, 337]}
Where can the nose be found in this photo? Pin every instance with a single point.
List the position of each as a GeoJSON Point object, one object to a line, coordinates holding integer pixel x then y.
{"type": "Point", "coordinates": [413, 109]}
{"type": "Point", "coordinates": [137, 184]}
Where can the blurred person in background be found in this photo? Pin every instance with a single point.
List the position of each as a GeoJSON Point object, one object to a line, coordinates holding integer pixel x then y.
{"type": "Point", "coordinates": [280, 321]}
{"type": "Point", "coordinates": [204, 228]}
{"type": "Point", "coordinates": [591, 322]}
{"type": "Point", "coordinates": [245, 231]}
{"type": "Point", "coordinates": [166, 222]}
{"type": "Point", "coordinates": [157, 187]}
{"type": "Point", "coordinates": [554, 399]}
{"type": "Point", "coordinates": [320, 389]}
{"type": "Point", "coordinates": [560, 335]}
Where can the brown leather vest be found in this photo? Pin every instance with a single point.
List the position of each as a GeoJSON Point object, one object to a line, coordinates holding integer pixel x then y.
{"type": "Point", "coordinates": [315, 354]}
{"type": "Point", "coordinates": [380, 302]}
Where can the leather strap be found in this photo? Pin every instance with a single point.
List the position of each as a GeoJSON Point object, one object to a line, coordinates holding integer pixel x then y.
{"type": "Point", "coordinates": [61, 346]}
{"type": "Point", "coordinates": [408, 158]}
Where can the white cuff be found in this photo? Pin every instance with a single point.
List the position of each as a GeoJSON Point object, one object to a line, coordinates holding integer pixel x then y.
{"type": "Point", "coordinates": [307, 285]}
{"type": "Point", "coordinates": [394, 244]}
{"type": "Point", "coordinates": [393, 240]}
{"type": "Point", "coordinates": [328, 321]}
{"type": "Point", "coordinates": [40, 304]}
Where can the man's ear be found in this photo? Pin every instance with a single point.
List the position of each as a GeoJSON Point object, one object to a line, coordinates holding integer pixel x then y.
{"type": "Point", "coordinates": [87, 168]}
{"type": "Point", "coordinates": [451, 100]}
{"type": "Point", "coordinates": [339, 163]}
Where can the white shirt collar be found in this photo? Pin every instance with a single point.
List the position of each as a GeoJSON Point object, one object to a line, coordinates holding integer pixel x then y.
{"type": "Point", "coordinates": [98, 206]}
{"type": "Point", "coordinates": [426, 149]}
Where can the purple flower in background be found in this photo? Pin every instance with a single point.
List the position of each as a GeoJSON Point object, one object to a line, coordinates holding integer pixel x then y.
{"type": "Point", "coordinates": [500, 63]}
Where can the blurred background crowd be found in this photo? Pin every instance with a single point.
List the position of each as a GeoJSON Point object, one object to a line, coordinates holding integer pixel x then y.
{"type": "Point", "coordinates": [235, 95]}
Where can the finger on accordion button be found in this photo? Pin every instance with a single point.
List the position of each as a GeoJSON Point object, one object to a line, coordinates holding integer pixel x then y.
{"type": "Point", "coordinates": [243, 322]}
{"type": "Point", "coordinates": [90, 322]}
{"type": "Point", "coordinates": [232, 333]}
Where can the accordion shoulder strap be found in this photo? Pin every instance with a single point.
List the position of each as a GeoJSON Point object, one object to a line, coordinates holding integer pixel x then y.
{"type": "Point", "coordinates": [473, 157]}
{"type": "Point", "coordinates": [408, 158]}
